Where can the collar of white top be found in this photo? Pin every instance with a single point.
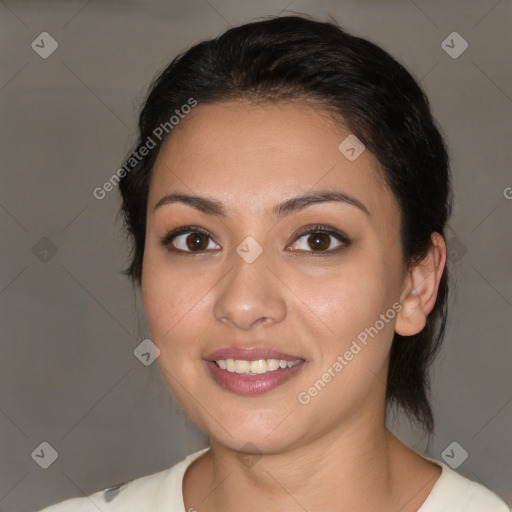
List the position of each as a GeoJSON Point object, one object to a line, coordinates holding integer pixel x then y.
{"type": "Point", "coordinates": [451, 493]}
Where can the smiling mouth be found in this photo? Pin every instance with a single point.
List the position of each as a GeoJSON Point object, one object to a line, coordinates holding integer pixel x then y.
{"type": "Point", "coordinates": [253, 377]}
{"type": "Point", "coordinates": [254, 367]}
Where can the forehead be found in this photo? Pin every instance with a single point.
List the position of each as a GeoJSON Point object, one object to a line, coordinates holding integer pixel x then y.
{"type": "Point", "coordinates": [245, 152]}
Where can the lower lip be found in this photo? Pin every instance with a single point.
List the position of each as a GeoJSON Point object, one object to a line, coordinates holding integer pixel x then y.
{"type": "Point", "coordinates": [252, 384]}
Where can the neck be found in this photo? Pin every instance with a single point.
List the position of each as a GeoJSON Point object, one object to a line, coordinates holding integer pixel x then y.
{"type": "Point", "coordinates": [333, 472]}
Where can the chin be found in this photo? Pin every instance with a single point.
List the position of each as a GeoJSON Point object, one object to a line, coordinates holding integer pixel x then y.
{"type": "Point", "coordinates": [249, 429]}
{"type": "Point", "coordinates": [254, 441]}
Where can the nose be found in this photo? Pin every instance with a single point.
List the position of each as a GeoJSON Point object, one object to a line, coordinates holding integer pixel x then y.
{"type": "Point", "coordinates": [249, 295]}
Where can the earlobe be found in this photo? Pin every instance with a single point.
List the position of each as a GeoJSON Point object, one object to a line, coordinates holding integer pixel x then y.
{"type": "Point", "coordinates": [412, 317]}
{"type": "Point", "coordinates": [420, 291]}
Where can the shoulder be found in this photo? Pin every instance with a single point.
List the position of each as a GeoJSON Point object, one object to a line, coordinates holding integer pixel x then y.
{"type": "Point", "coordinates": [454, 492]}
{"type": "Point", "coordinates": [135, 492]}
{"type": "Point", "coordinates": [148, 493]}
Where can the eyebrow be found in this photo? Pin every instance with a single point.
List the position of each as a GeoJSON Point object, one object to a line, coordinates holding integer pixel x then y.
{"type": "Point", "coordinates": [287, 207]}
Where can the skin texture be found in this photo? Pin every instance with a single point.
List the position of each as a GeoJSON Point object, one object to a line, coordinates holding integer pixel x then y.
{"type": "Point", "coordinates": [324, 455]}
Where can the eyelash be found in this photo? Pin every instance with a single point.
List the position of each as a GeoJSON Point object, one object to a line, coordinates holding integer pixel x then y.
{"type": "Point", "coordinates": [316, 229]}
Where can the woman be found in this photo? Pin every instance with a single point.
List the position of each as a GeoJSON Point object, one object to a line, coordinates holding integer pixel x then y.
{"type": "Point", "coordinates": [287, 202]}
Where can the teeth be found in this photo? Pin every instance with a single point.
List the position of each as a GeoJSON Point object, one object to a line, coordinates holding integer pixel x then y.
{"type": "Point", "coordinates": [256, 367]}
{"type": "Point", "coordinates": [242, 366]}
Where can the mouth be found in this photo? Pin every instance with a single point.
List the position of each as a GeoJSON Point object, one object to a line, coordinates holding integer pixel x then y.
{"type": "Point", "coordinates": [252, 371]}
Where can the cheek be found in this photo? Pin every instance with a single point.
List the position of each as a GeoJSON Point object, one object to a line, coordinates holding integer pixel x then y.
{"type": "Point", "coordinates": [174, 310]}
{"type": "Point", "coordinates": [354, 340]}
{"type": "Point", "coordinates": [173, 302]}
{"type": "Point", "coordinates": [350, 357]}
{"type": "Point", "coordinates": [353, 297]}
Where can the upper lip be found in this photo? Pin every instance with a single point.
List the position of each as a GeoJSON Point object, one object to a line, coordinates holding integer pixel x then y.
{"type": "Point", "coordinates": [249, 354]}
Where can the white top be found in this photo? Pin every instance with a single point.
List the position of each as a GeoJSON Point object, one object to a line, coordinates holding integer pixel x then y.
{"type": "Point", "coordinates": [162, 491]}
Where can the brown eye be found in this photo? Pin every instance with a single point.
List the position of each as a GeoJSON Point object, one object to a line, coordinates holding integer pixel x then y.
{"type": "Point", "coordinates": [320, 239]}
{"type": "Point", "coordinates": [188, 240]}
{"type": "Point", "coordinates": [196, 241]}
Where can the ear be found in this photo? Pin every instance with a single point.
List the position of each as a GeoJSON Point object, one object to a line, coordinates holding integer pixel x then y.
{"type": "Point", "coordinates": [420, 289]}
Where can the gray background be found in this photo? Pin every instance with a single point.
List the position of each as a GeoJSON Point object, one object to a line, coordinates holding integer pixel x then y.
{"type": "Point", "coordinates": [70, 321]}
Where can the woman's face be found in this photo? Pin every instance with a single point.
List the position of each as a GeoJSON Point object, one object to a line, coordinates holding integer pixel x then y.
{"type": "Point", "coordinates": [249, 284]}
